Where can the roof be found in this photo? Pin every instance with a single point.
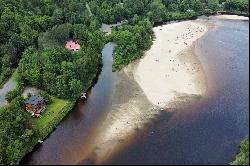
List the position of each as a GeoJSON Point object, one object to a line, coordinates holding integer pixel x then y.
{"type": "Point", "coordinates": [34, 100]}
{"type": "Point", "coordinates": [72, 45]}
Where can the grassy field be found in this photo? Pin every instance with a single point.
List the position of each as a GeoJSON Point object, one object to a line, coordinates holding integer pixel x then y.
{"type": "Point", "coordinates": [14, 75]}
{"type": "Point", "coordinates": [51, 112]}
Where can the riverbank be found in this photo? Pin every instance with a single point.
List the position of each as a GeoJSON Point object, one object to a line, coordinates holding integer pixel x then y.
{"type": "Point", "coordinates": [232, 17]}
{"type": "Point", "coordinates": [237, 13]}
{"type": "Point", "coordinates": [133, 107]}
{"type": "Point", "coordinates": [242, 157]}
{"type": "Point", "coordinates": [222, 115]}
{"type": "Point", "coordinates": [113, 123]}
{"type": "Point", "coordinates": [169, 69]}
{"type": "Point", "coordinates": [54, 114]}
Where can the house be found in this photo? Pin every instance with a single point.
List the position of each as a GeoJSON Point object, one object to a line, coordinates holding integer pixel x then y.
{"type": "Point", "coordinates": [73, 45]}
{"type": "Point", "coordinates": [35, 105]}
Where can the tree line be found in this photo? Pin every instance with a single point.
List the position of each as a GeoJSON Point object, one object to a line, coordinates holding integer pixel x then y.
{"type": "Point", "coordinates": [135, 36]}
{"type": "Point", "coordinates": [237, 5]}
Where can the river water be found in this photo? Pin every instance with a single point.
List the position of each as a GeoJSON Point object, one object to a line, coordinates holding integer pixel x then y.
{"type": "Point", "coordinates": [209, 132]}
{"type": "Point", "coordinates": [72, 132]}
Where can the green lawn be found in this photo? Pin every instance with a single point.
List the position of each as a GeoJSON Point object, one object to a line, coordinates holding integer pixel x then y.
{"type": "Point", "coordinates": [51, 112]}
{"type": "Point", "coordinates": [14, 75]}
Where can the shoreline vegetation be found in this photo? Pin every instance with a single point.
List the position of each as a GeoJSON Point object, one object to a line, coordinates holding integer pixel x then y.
{"type": "Point", "coordinates": [33, 44]}
{"type": "Point", "coordinates": [232, 17]}
{"type": "Point", "coordinates": [233, 13]}
{"type": "Point", "coordinates": [141, 107]}
{"type": "Point", "coordinates": [242, 157]}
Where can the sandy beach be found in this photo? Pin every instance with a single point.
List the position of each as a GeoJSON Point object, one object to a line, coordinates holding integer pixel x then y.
{"type": "Point", "coordinates": [168, 82]}
{"type": "Point", "coordinates": [232, 17]}
{"type": "Point", "coordinates": [168, 69]}
{"type": "Point", "coordinates": [167, 78]}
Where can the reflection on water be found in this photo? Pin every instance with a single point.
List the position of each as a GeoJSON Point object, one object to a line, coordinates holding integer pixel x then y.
{"type": "Point", "coordinates": [210, 132]}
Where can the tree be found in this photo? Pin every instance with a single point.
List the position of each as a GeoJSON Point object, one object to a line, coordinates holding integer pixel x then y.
{"type": "Point", "coordinates": [75, 88]}
{"type": "Point", "coordinates": [237, 5]}
{"type": "Point", "coordinates": [58, 17]}
{"type": "Point", "coordinates": [213, 4]}
{"type": "Point", "coordinates": [14, 151]}
{"type": "Point", "coordinates": [243, 157]}
{"type": "Point", "coordinates": [12, 94]}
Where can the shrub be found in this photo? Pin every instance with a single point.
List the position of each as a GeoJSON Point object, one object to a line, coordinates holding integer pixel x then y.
{"type": "Point", "coordinates": [243, 157]}
{"type": "Point", "coordinates": [208, 12]}
{"type": "Point", "coordinates": [13, 94]}
{"type": "Point", "coordinates": [46, 97]}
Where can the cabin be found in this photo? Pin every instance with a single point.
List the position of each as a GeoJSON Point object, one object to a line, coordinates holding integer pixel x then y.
{"type": "Point", "coordinates": [35, 105]}
{"type": "Point", "coordinates": [73, 45]}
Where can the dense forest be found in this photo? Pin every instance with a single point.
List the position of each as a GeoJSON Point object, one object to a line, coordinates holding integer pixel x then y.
{"type": "Point", "coordinates": [22, 21]}
{"type": "Point", "coordinates": [238, 6]}
{"type": "Point", "coordinates": [33, 36]}
{"type": "Point", "coordinates": [58, 71]}
{"type": "Point", "coordinates": [32, 42]}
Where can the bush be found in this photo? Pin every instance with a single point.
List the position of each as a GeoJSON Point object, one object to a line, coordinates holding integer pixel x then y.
{"type": "Point", "coordinates": [13, 94]}
{"type": "Point", "coordinates": [4, 75]}
{"type": "Point", "coordinates": [237, 5]}
{"type": "Point", "coordinates": [46, 97]}
{"type": "Point", "coordinates": [132, 41]}
{"type": "Point", "coordinates": [243, 157]}
{"type": "Point", "coordinates": [208, 12]}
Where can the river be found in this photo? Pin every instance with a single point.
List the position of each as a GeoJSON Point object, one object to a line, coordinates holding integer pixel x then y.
{"type": "Point", "coordinates": [74, 128]}
{"type": "Point", "coordinates": [208, 132]}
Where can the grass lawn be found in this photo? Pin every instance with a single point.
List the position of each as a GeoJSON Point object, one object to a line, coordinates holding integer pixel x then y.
{"type": "Point", "coordinates": [14, 75]}
{"type": "Point", "coordinates": [51, 112]}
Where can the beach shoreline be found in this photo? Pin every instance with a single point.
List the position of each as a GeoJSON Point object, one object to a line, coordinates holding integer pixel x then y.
{"type": "Point", "coordinates": [232, 17]}
{"type": "Point", "coordinates": [131, 109]}
{"type": "Point", "coordinates": [170, 69]}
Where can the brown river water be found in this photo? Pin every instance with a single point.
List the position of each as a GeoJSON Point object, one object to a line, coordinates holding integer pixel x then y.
{"type": "Point", "coordinates": [208, 132]}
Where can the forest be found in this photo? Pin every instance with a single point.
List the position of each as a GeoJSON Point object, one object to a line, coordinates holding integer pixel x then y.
{"type": "Point", "coordinates": [235, 6]}
{"type": "Point", "coordinates": [32, 43]}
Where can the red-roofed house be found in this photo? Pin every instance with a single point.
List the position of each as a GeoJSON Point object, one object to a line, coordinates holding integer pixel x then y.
{"type": "Point", "coordinates": [73, 45]}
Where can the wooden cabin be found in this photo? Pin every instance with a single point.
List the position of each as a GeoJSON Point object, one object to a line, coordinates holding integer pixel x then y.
{"type": "Point", "coordinates": [35, 105]}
